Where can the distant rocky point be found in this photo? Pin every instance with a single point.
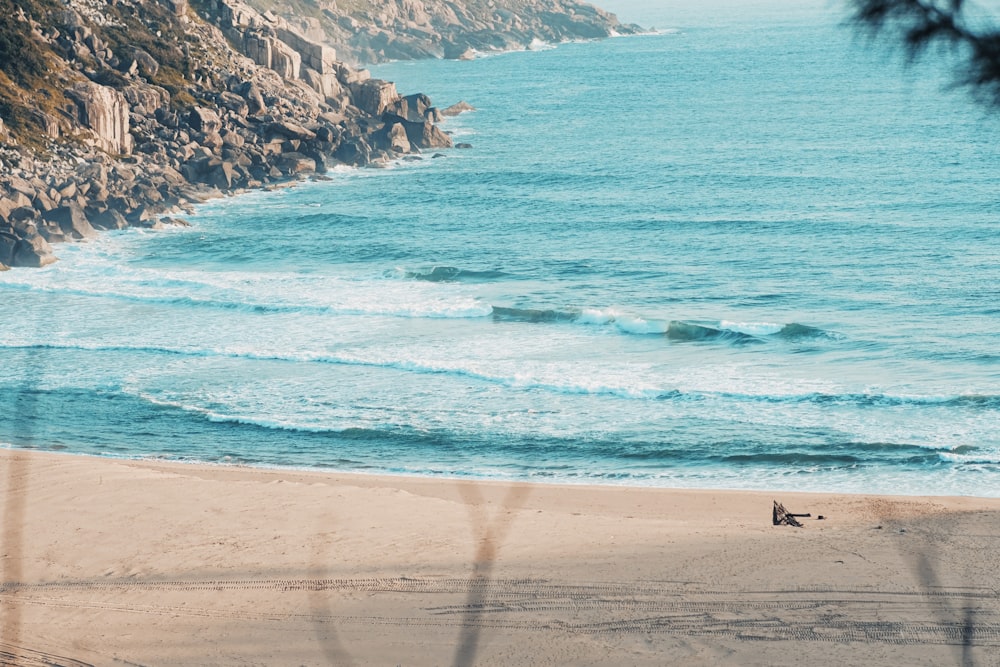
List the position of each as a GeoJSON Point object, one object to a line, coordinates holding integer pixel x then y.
{"type": "Point", "coordinates": [118, 113]}
{"type": "Point", "coordinates": [373, 31]}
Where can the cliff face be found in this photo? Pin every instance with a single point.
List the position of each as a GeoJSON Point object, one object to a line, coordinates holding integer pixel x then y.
{"type": "Point", "coordinates": [132, 109]}
{"type": "Point", "coordinates": [371, 31]}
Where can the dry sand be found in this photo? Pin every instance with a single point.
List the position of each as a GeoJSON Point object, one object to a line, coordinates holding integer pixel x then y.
{"type": "Point", "coordinates": [146, 563]}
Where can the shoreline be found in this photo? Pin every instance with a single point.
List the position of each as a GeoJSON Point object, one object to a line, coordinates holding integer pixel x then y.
{"type": "Point", "coordinates": [446, 478]}
{"type": "Point", "coordinates": [152, 562]}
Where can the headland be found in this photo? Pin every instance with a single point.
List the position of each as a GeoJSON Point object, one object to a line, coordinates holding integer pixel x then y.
{"type": "Point", "coordinates": [127, 113]}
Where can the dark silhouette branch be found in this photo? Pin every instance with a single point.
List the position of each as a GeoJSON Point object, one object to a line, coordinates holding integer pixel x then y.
{"type": "Point", "coordinates": [920, 25]}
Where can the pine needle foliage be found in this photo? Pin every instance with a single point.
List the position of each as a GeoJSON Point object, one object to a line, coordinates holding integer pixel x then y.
{"type": "Point", "coordinates": [923, 25]}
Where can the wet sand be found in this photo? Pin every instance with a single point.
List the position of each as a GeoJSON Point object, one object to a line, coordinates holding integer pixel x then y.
{"type": "Point", "coordinates": [110, 562]}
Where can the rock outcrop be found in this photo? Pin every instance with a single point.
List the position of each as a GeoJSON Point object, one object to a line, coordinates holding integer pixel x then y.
{"type": "Point", "coordinates": [105, 112]}
{"type": "Point", "coordinates": [125, 112]}
{"type": "Point", "coordinates": [372, 32]}
{"type": "Point", "coordinates": [130, 138]}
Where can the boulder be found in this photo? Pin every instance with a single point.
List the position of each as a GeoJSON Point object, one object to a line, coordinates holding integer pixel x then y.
{"type": "Point", "coordinates": [106, 218]}
{"type": "Point", "coordinates": [398, 141]}
{"type": "Point", "coordinates": [271, 52]}
{"type": "Point", "coordinates": [456, 109]}
{"type": "Point", "coordinates": [105, 112]}
{"type": "Point", "coordinates": [232, 140]}
{"type": "Point", "coordinates": [354, 151]}
{"type": "Point", "coordinates": [348, 76]}
{"type": "Point", "coordinates": [292, 164]}
{"type": "Point", "coordinates": [412, 107]}
{"type": "Point", "coordinates": [316, 56]}
{"type": "Point", "coordinates": [233, 102]}
{"type": "Point", "coordinates": [20, 185]}
{"type": "Point", "coordinates": [204, 120]}
{"type": "Point", "coordinates": [221, 176]}
{"type": "Point", "coordinates": [178, 7]}
{"type": "Point", "coordinates": [327, 134]}
{"type": "Point", "coordinates": [255, 99]}
{"type": "Point", "coordinates": [72, 221]}
{"type": "Point", "coordinates": [318, 158]}
{"type": "Point", "coordinates": [22, 215]}
{"type": "Point", "coordinates": [375, 96]}
{"type": "Point", "coordinates": [43, 202]}
{"type": "Point", "coordinates": [176, 222]}
{"type": "Point", "coordinates": [145, 63]}
{"type": "Point", "coordinates": [8, 242]}
{"type": "Point", "coordinates": [421, 134]}
{"type": "Point", "coordinates": [68, 190]}
{"type": "Point", "coordinates": [32, 251]}
{"type": "Point", "coordinates": [288, 130]}
{"type": "Point", "coordinates": [326, 84]}
{"type": "Point", "coordinates": [150, 100]}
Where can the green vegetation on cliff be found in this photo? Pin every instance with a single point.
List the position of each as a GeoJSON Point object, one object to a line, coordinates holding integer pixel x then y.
{"type": "Point", "coordinates": [26, 65]}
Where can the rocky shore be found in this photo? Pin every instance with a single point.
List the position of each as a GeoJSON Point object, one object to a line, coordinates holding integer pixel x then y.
{"type": "Point", "coordinates": [119, 113]}
{"type": "Point", "coordinates": [371, 32]}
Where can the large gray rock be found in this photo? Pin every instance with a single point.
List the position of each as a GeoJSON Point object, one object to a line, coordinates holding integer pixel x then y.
{"type": "Point", "coordinates": [233, 102]}
{"type": "Point", "coordinates": [292, 164]}
{"type": "Point", "coordinates": [316, 56]}
{"type": "Point", "coordinates": [28, 249]}
{"type": "Point", "coordinates": [105, 112]}
{"type": "Point", "coordinates": [288, 130]}
{"type": "Point", "coordinates": [456, 109]}
{"type": "Point", "coordinates": [8, 242]}
{"type": "Point", "coordinates": [354, 151]}
{"type": "Point", "coordinates": [271, 52]}
{"type": "Point", "coordinates": [221, 176]}
{"type": "Point", "coordinates": [250, 91]}
{"type": "Point", "coordinates": [72, 221]}
{"type": "Point", "coordinates": [204, 120]}
{"type": "Point", "coordinates": [106, 218]}
{"type": "Point", "coordinates": [421, 134]}
{"type": "Point", "coordinates": [413, 107]}
{"type": "Point", "coordinates": [147, 99]}
{"type": "Point", "coordinates": [178, 7]}
{"type": "Point", "coordinates": [145, 64]}
{"type": "Point", "coordinates": [375, 96]}
{"type": "Point", "coordinates": [398, 141]}
{"type": "Point", "coordinates": [326, 84]}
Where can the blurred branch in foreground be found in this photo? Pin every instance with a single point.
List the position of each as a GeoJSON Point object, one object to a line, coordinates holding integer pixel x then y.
{"type": "Point", "coordinates": [945, 24]}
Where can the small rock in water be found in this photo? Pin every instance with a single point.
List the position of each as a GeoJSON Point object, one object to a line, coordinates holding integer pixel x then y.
{"type": "Point", "coordinates": [177, 222]}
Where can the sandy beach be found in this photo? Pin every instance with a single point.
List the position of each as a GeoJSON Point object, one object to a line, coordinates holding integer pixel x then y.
{"type": "Point", "coordinates": [110, 562]}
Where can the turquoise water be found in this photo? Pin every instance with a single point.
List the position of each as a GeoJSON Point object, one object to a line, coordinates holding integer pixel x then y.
{"type": "Point", "coordinates": [747, 251]}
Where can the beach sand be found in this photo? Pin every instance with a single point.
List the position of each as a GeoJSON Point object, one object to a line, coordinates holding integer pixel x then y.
{"type": "Point", "coordinates": [111, 562]}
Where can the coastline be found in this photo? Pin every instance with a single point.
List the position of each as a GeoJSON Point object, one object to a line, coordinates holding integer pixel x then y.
{"type": "Point", "coordinates": [152, 562]}
{"type": "Point", "coordinates": [109, 123]}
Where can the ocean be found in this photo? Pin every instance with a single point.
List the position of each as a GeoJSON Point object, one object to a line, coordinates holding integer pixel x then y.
{"type": "Point", "coordinates": [750, 250]}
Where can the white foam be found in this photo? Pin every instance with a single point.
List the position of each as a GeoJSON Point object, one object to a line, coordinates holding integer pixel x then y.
{"type": "Point", "coordinates": [631, 324]}
{"type": "Point", "coordinates": [751, 328]}
{"type": "Point", "coordinates": [540, 45]}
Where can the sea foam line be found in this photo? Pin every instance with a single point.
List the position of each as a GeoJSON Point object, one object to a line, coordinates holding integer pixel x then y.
{"type": "Point", "coordinates": [529, 381]}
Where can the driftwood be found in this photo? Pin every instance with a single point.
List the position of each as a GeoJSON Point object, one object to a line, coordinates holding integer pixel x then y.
{"type": "Point", "coordinates": [782, 517]}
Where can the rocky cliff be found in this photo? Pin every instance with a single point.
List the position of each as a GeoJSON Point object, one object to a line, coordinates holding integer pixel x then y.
{"type": "Point", "coordinates": [371, 31]}
{"type": "Point", "coordinates": [126, 112]}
